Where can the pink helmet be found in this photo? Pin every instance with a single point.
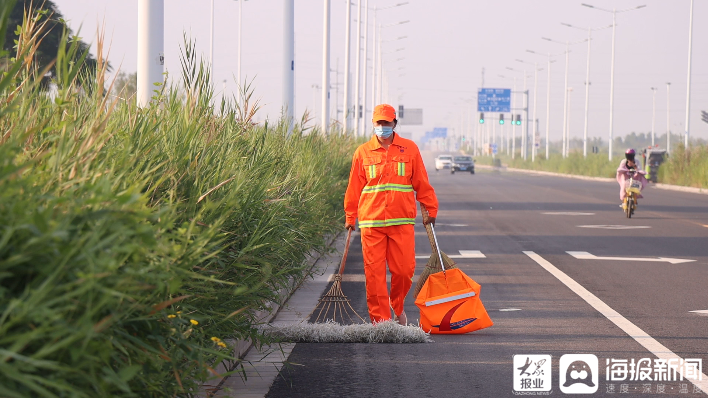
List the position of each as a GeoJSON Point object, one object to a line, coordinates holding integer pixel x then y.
{"type": "Point", "coordinates": [629, 154]}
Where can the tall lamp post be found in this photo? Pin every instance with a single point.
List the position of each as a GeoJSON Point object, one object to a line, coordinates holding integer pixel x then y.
{"type": "Point", "coordinates": [567, 44]}
{"type": "Point", "coordinates": [380, 58]}
{"type": "Point", "coordinates": [325, 66]}
{"type": "Point", "coordinates": [587, 83]}
{"type": "Point", "coordinates": [653, 113]}
{"type": "Point", "coordinates": [688, 76]}
{"type": "Point", "coordinates": [668, 119]}
{"type": "Point", "coordinates": [357, 69]}
{"type": "Point", "coordinates": [614, 12]}
{"type": "Point", "coordinates": [548, 96]}
{"type": "Point", "coordinates": [289, 61]}
{"type": "Point", "coordinates": [535, 95]}
{"type": "Point", "coordinates": [151, 48]}
{"type": "Point", "coordinates": [347, 50]}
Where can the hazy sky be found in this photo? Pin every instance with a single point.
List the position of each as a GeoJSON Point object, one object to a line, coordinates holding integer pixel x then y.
{"type": "Point", "coordinates": [447, 45]}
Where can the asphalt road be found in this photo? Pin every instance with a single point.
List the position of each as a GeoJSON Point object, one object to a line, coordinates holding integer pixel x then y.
{"type": "Point", "coordinates": [504, 215]}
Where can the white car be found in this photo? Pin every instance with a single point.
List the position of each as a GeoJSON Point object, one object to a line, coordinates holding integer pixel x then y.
{"type": "Point", "coordinates": [443, 162]}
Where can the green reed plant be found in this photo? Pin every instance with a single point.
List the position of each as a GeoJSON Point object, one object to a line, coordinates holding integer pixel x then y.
{"type": "Point", "coordinates": [134, 241]}
{"type": "Point", "coordinates": [687, 167]}
{"type": "Point", "coordinates": [595, 165]}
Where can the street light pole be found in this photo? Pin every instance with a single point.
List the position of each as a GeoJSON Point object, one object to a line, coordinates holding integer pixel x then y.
{"type": "Point", "coordinates": [289, 61]}
{"type": "Point", "coordinates": [612, 69]}
{"type": "Point", "coordinates": [374, 75]}
{"type": "Point", "coordinates": [587, 84]}
{"type": "Point", "coordinates": [240, 39]}
{"type": "Point", "coordinates": [366, 65]}
{"type": "Point", "coordinates": [535, 96]}
{"type": "Point", "coordinates": [668, 119]}
{"type": "Point", "coordinates": [151, 48]}
{"type": "Point", "coordinates": [567, 44]}
{"type": "Point", "coordinates": [347, 43]}
{"type": "Point", "coordinates": [653, 114]}
{"type": "Point", "coordinates": [325, 66]}
{"type": "Point", "coordinates": [211, 41]}
{"type": "Point", "coordinates": [688, 77]}
{"type": "Point", "coordinates": [357, 72]}
{"type": "Point", "coordinates": [565, 103]}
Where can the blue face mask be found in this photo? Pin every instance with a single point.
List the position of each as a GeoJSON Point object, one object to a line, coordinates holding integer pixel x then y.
{"type": "Point", "coordinates": [383, 131]}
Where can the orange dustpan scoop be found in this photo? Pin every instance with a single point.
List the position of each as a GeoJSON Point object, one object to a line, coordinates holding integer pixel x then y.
{"type": "Point", "coordinates": [449, 303]}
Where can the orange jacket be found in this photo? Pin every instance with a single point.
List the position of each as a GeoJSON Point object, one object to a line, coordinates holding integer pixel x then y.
{"type": "Point", "coordinates": [381, 185]}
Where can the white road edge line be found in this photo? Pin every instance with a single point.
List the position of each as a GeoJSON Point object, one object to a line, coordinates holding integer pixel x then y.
{"type": "Point", "coordinates": [641, 337]}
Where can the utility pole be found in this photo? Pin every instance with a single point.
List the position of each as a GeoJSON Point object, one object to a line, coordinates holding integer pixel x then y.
{"type": "Point", "coordinates": [325, 66]}
{"type": "Point", "coordinates": [653, 113]}
{"type": "Point", "coordinates": [211, 41]}
{"type": "Point", "coordinates": [612, 70]}
{"type": "Point", "coordinates": [347, 43]}
{"type": "Point", "coordinates": [357, 70]}
{"type": "Point", "coordinates": [688, 77]}
{"type": "Point", "coordinates": [366, 65]}
{"type": "Point", "coordinates": [668, 120]}
{"type": "Point", "coordinates": [565, 103]}
{"type": "Point", "coordinates": [289, 61]}
{"type": "Point", "coordinates": [151, 44]}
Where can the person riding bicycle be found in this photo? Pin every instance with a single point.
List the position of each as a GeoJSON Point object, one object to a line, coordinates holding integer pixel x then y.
{"type": "Point", "coordinates": [629, 167]}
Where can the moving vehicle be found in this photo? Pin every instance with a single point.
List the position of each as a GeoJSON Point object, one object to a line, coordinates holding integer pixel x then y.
{"type": "Point", "coordinates": [462, 163]}
{"type": "Point", "coordinates": [443, 162]}
{"type": "Point", "coordinates": [633, 188]}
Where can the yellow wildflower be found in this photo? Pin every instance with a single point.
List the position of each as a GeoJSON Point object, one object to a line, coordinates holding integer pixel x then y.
{"type": "Point", "coordinates": [179, 312]}
{"type": "Point", "coordinates": [171, 316]}
{"type": "Point", "coordinates": [193, 322]}
{"type": "Point", "coordinates": [221, 344]}
{"type": "Point", "coordinates": [215, 339]}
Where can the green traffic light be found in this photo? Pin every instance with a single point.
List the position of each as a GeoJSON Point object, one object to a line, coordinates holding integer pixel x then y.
{"type": "Point", "coordinates": [481, 121]}
{"type": "Point", "coordinates": [501, 122]}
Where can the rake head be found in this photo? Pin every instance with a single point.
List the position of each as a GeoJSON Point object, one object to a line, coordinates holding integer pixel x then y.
{"type": "Point", "coordinates": [335, 306]}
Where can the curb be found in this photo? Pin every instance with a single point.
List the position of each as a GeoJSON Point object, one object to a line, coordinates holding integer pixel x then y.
{"type": "Point", "coordinates": [242, 347]}
{"type": "Point", "coordinates": [667, 187]}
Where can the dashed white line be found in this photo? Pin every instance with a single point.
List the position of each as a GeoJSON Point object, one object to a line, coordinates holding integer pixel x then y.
{"type": "Point", "coordinates": [641, 337]}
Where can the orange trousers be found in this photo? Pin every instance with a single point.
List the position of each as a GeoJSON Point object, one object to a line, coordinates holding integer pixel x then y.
{"type": "Point", "coordinates": [394, 245]}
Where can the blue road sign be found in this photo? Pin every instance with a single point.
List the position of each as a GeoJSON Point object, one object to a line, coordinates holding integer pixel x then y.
{"type": "Point", "coordinates": [494, 149]}
{"type": "Point", "coordinates": [494, 100]}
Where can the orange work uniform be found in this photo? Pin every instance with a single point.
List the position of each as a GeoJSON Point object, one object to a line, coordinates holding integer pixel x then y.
{"type": "Point", "coordinates": [381, 195]}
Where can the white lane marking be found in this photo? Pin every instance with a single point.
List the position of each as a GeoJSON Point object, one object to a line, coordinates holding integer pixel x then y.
{"type": "Point", "coordinates": [568, 213]}
{"type": "Point", "coordinates": [588, 256]}
{"type": "Point", "coordinates": [510, 309]}
{"type": "Point", "coordinates": [640, 336]}
{"type": "Point", "coordinates": [615, 226]}
{"type": "Point", "coordinates": [463, 254]}
{"type": "Point", "coordinates": [700, 312]}
{"type": "Point", "coordinates": [452, 225]}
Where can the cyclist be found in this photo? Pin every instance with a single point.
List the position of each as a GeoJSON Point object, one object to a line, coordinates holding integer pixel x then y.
{"type": "Point", "coordinates": [629, 166]}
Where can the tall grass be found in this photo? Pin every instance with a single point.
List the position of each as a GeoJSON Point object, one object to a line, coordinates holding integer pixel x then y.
{"type": "Point", "coordinates": [595, 165]}
{"type": "Point", "coordinates": [687, 167]}
{"type": "Point", "coordinates": [134, 241]}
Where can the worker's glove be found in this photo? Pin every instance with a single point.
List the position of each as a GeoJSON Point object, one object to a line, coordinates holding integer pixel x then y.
{"type": "Point", "coordinates": [431, 220]}
{"type": "Point", "coordinates": [349, 226]}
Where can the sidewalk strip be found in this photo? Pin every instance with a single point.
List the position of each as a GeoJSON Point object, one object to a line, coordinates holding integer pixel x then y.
{"type": "Point", "coordinates": [641, 337]}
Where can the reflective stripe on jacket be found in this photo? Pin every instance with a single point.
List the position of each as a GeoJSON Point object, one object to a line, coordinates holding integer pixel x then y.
{"type": "Point", "coordinates": [382, 184]}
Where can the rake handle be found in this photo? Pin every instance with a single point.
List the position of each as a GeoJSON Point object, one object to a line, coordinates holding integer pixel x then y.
{"type": "Point", "coordinates": [428, 229]}
{"type": "Point", "coordinates": [346, 251]}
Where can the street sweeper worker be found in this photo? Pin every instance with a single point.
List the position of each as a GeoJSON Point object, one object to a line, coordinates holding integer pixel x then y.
{"type": "Point", "coordinates": [385, 173]}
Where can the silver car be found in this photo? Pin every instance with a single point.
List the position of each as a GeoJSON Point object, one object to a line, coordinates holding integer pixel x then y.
{"type": "Point", "coordinates": [443, 162]}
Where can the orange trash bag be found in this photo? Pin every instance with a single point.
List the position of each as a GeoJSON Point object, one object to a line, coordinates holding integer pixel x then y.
{"type": "Point", "coordinates": [449, 304]}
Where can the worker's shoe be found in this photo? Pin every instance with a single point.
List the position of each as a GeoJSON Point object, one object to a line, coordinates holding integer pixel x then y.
{"type": "Point", "coordinates": [401, 319]}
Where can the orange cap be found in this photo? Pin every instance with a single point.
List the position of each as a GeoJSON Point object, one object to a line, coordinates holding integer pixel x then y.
{"type": "Point", "coordinates": [384, 112]}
